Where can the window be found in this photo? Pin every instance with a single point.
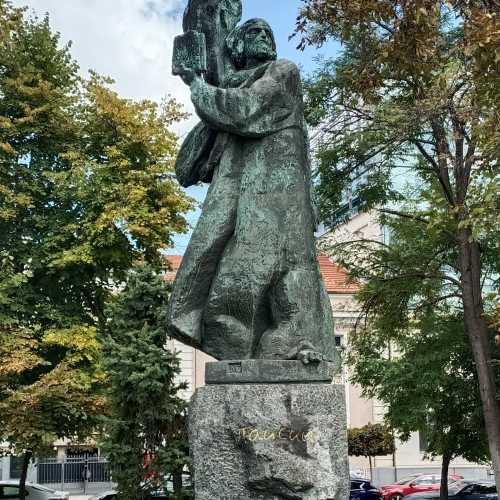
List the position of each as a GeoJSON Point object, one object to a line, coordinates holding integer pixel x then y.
{"type": "Point", "coordinates": [479, 489]}
{"type": "Point", "coordinates": [406, 480]}
{"type": "Point", "coordinates": [467, 490]}
{"type": "Point", "coordinates": [488, 489]}
{"type": "Point", "coordinates": [339, 340]}
{"type": "Point", "coordinates": [424, 480]}
{"type": "Point", "coordinates": [358, 485]}
{"type": "Point", "coordinates": [10, 492]}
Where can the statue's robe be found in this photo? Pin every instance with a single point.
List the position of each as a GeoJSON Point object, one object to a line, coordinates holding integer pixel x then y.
{"type": "Point", "coordinates": [249, 285]}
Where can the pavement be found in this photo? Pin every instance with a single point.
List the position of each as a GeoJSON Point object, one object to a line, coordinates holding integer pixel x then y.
{"type": "Point", "coordinates": [79, 497]}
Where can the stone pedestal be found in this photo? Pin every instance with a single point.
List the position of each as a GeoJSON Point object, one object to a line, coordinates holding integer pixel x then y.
{"type": "Point", "coordinates": [269, 441]}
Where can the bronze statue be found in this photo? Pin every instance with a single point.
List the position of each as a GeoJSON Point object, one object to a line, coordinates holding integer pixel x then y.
{"type": "Point", "coordinates": [249, 286]}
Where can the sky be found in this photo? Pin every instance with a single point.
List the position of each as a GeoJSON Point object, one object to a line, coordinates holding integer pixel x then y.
{"type": "Point", "coordinates": [132, 40]}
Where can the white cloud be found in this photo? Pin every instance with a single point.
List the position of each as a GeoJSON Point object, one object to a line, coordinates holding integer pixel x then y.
{"type": "Point", "coordinates": [129, 40]}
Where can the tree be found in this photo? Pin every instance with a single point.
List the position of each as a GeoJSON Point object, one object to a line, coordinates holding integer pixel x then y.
{"type": "Point", "coordinates": [410, 350]}
{"type": "Point", "coordinates": [417, 86]}
{"type": "Point", "coordinates": [372, 440]}
{"type": "Point", "coordinates": [147, 444]}
{"type": "Point", "coordinates": [430, 386]}
{"type": "Point", "coordinates": [42, 401]}
{"type": "Point", "coordinates": [86, 191]}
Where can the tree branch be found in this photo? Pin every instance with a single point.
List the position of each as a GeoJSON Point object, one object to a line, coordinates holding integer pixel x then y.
{"type": "Point", "coordinates": [415, 218]}
{"type": "Point", "coordinates": [437, 300]}
{"type": "Point", "coordinates": [470, 159]}
{"type": "Point", "coordinates": [404, 215]}
{"type": "Point", "coordinates": [443, 151]}
{"type": "Point", "coordinates": [423, 276]}
{"type": "Point", "coordinates": [384, 26]}
{"type": "Point", "coordinates": [361, 240]}
{"type": "Point", "coordinates": [426, 155]}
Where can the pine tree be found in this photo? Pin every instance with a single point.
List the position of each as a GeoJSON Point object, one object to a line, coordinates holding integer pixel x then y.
{"type": "Point", "coordinates": [147, 444]}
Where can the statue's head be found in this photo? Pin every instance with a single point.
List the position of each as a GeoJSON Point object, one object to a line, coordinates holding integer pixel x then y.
{"type": "Point", "coordinates": [252, 41]}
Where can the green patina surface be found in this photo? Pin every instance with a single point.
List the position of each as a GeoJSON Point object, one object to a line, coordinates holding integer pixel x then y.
{"type": "Point", "coordinates": [249, 286]}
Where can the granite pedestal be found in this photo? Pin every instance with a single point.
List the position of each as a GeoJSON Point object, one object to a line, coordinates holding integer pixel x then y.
{"type": "Point", "coordinates": [254, 439]}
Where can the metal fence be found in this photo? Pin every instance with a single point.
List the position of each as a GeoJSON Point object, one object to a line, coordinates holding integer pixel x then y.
{"type": "Point", "coordinates": [74, 473]}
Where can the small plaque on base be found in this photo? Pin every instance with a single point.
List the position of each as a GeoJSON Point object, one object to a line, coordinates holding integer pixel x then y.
{"type": "Point", "coordinates": [268, 371]}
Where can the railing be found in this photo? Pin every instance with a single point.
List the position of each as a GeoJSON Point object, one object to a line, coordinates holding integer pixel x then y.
{"type": "Point", "coordinates": [86, 473]}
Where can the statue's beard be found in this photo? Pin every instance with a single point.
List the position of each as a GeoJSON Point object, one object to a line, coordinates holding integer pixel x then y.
{"type": "Point", "coordinates": [260, 52]}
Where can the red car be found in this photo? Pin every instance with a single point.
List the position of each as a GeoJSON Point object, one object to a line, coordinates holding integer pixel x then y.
{"type": "Point", "coordinates": [415, 484]}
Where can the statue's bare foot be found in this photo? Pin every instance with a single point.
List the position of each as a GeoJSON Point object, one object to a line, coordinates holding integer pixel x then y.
{"type": "Point", "coordinates": [307, 356]}
{"type": "Point", "coordinates": [306, 353]}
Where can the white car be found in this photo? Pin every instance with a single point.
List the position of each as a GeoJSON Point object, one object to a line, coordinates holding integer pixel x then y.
{"type": "Point", "coordinates": [10, 489]}
{"type": "Point", "coordinates": [112, 495]}
{"type": "Point", "coordinates": [105, 495]}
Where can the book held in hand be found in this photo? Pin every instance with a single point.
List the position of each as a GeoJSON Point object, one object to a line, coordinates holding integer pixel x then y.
{"type": "Point", "coordinates": [190, 52]}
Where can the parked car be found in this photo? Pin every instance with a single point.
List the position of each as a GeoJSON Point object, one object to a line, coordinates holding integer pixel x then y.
{"type": "Point", "coordinates": [105, 495]}
{"type": "Point", "coordinates": [462, 490]}
{"type": "Point", "coordinates": [415, 483]}
{"type": "Point", "coordinates": [362, 489]}
{"type": "Point", "coordinates": [112, 495]}
{"type": "Point", "coordinates": [10, 489]}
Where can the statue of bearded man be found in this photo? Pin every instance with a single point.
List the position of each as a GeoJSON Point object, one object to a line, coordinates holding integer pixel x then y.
{"type": "Point", "coordinates": [249, 286]}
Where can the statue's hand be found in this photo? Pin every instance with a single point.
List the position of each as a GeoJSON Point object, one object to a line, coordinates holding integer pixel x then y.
{"type": "Point", "coordinates": [306, 353]}
{"type": "Point", "coordinates": [188, 75]}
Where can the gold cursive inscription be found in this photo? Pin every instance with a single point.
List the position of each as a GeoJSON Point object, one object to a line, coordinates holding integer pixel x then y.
{"type": "Point", "coordinates": [254, 435]}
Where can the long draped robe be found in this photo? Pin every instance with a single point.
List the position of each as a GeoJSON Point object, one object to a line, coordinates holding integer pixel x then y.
{"type": "Point", "coordinates": [249, 285]}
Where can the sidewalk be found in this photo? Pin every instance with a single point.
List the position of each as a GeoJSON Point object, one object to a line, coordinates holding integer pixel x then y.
{"type": "Point", "coordinates": [79, 497]}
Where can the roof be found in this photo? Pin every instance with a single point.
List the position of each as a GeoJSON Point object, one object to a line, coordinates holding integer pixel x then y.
{"type": "Point", "coordinates": [175, 263]}
{"type": "Point", "coordinates": [334, 276]}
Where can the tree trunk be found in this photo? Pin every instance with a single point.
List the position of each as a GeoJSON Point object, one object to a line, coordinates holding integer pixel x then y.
{"type": "Point", "coordinates": [177, 481]}
{"type": "Point", "coordinates": [445, 466]}
{"type": "Point", "coordinates": [477, 330]}
{"type": "Point", "coordinates": [371, 468]}
{"type": "Point", "coordinates": [24, 473]}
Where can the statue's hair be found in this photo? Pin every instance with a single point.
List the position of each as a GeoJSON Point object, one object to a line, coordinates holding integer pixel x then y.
{"type": "Point", "coordinates": [235, 42]}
